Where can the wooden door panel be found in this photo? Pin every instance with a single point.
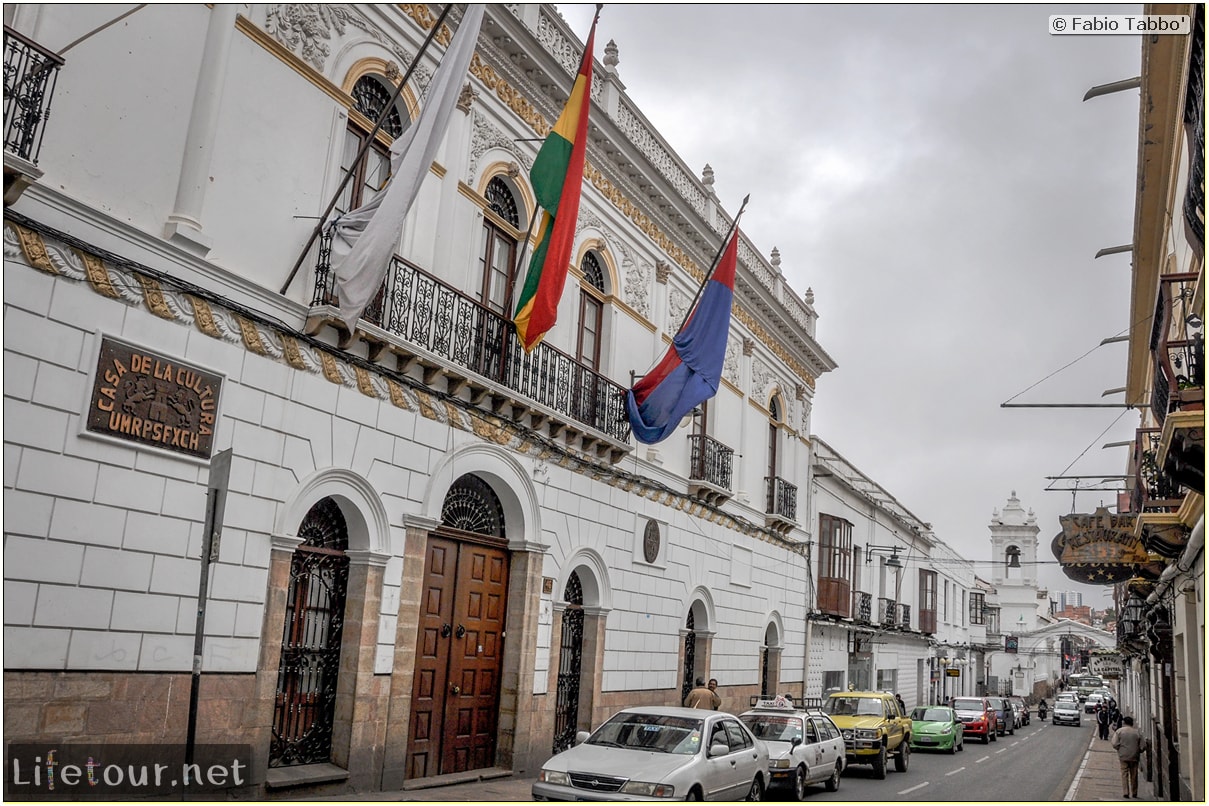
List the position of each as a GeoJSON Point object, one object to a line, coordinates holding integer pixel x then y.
{"type": "Point", "coordinates": [432, 658]}
{"type": "Point", "coordinates": [472, 714]}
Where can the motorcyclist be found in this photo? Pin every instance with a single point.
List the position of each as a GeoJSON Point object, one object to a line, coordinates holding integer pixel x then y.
{"type": "Point", "coordinates": [1042, 709]}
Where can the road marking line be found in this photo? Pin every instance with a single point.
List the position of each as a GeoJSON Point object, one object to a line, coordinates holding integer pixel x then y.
{"type": "Point", "coordinates": [1004, 750]}
{"type": "Point", "coordinates": [954, 772]}
{"type": "Point", "coordinates": [912, 789]}
{"type": "Point", "coordinates": [984, 758]}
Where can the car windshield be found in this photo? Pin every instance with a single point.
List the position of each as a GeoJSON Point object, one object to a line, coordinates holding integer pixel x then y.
{"type": "Point", "coordinates": [774, 728]}
{"type": "Point", "coordinates": [967, 705]}
{"type": "Point", "coordinates": [932, 715]}
{"type": "Point", "coordinates": [854, 706]}
{"type": "Point", "coordinates": [654, 732]}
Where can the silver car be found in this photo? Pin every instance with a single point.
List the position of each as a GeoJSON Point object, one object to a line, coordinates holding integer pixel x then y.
{"type": "Point", "coordinates": [1067, 712]}
{"type": "Point", "coordinates": [654, 753]}
{"type": "Point", "coordinates": [804, 747]}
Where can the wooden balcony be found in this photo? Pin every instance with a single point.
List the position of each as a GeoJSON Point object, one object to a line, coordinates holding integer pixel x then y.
{"type": "Point", "coordinates": [834, 596]}
{"type": "Point", "coordinates": [927, 622]}
{"type": "Point", "coordinates": [459, 347]}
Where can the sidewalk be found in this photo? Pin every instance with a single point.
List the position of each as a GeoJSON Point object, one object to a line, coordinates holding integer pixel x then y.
{"type": "Point", "coordinates": [1099, 776]}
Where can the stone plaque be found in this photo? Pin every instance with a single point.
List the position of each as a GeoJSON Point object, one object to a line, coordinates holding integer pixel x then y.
{"type": "Point", "coordinates": [150, 399]}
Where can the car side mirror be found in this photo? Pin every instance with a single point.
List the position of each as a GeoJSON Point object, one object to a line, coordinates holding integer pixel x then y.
{"type": "Point", "coordinates": [718, 750]}
{"type": "Point", "coordinates": [581, 736]}
{"type": "Point", "coordinates": [797, 740]}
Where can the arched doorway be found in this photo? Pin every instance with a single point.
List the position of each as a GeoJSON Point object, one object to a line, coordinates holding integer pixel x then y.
{"type": "Point", "coordinates": [460, 636]}
{"type": "Point", "coordinates": [566, 708]}
{"type": "Point", "coordinates": [305, 706]}
{"type": "Point", "coordinates": [690, 656]}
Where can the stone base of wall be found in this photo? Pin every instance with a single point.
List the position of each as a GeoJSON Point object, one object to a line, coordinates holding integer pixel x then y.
{"type": "Point", "coordinates": [122, 708]}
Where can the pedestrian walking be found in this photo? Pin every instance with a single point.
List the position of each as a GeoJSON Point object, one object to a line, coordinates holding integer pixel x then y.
{"type": "Point", "coordinates": [1130, 745]}
{"type": "Point", "coordinates": [1102, 720]}
{"type": "Point", "coordinates": [901, 705]}
{"type": "Point", "coordinates": [702, 697]}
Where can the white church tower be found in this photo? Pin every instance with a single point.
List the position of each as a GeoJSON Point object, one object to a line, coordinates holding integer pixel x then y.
{"type": "Point", "coordinates": [1014, 551]}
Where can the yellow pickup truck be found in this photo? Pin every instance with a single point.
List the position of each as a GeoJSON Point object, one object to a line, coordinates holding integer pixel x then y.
{"type": "Point", "coordinates": [874, 728]}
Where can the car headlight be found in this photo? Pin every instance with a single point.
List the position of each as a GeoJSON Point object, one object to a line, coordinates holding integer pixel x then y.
{"type": "Point", "coordinates": [649, 790]}
{"type": "Point", "coordinates": [554, 777]}
{"type": "Point", "coordinates": [946, 730]}
{"type": "Point", "coordinates": [867, 734]}
{"type": "Point", "coordinates": [847, 735]}
{"type": "Point", "coordinates": [780, 763]}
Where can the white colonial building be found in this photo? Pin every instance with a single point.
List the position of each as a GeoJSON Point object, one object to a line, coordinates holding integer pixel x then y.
{"type": "Point", "coordinates": [438, 554]}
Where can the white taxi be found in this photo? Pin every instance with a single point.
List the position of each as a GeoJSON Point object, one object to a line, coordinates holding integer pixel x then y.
{"type": "Point", "coordinates": [804, 745]}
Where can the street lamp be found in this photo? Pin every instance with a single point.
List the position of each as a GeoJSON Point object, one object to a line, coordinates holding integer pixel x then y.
{"type": "Point", "coordinates": [893, 562]}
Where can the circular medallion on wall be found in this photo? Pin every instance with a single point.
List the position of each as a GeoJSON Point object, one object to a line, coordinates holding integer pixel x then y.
{"type": "Point", "coordinates": [650, 542]}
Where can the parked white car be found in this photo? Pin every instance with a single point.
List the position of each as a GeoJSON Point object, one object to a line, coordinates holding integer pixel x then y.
{"type": "Point", "coordinates": [804, 746]}
{"type": "Point", "coordinates": [653, 753]}
{"type": "Point", "coordinates": [1089, 705]}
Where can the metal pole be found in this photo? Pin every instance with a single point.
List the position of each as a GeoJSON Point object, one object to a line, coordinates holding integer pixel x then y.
{"type": "Point", "coordinates": [714, 265]}
{"type": "Point", "coordinates": [348, 176]}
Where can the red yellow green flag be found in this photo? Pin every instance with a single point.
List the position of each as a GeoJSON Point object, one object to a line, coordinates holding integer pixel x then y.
{"type": "Point", "coordinates": [557, 177]}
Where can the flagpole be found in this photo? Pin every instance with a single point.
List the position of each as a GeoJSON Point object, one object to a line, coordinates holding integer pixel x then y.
{"type": "Point", "coordinates": [714, 265]}
{"type": "Point", "coordinates": [348, 175]}
{"type": "Point", "coordinates": [520, 261]}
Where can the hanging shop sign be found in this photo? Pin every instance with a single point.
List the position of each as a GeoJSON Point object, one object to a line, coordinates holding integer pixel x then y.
{"type": "Point", "coordinates": [1100, 548]}
{"type": "Point", "coordinates": [154, 400]}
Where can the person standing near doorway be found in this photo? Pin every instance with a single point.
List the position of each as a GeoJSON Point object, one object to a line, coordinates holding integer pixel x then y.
{"type": "Point", "coordinates": [713, 689]}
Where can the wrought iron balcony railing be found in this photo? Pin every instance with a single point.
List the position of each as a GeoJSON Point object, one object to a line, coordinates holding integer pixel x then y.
{"type": "Point", "coordinates": [905, 611]}
{"type": "Point", "coordinates": [782, 498]}
{"type": "Point", "coordinates": [30, 72]}
{"type": "Point", "coordinates": [1153, 491]}
{"type": "Point", "coordinates": [889, 612]}
{"type": "Point", "coordinates": [422, 310]}
{"type": "Point", "coordinates": [710, 461]}
{"type": "Point", "coordinates": [1177, 346]}
{"type": "Point", "coordinates": [863, 606]}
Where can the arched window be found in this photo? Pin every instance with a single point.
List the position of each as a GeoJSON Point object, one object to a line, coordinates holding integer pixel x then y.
{"type": "Point", "coordinates": [472, 506]}
{"type": "Point", "coordinates": [591, 312]}
{"type": "Point", "coordinates": [774, 419]}
{"type": "Point", "coordinates": [371, 95]}
{"type": "Point", "coordinates": [497, 255]}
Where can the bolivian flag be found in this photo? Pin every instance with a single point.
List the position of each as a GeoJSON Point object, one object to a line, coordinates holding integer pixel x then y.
{"type": "Point", "coordinates": [557, 177]}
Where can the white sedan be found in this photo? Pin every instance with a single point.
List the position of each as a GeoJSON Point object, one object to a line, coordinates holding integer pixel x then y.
{"type": "Point", "coordinates": [653, 753]}
{"type": "Point", "coordinates": [804, 747]}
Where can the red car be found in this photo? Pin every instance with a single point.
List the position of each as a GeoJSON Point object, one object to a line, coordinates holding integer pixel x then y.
{"type": "Point", "coordinates": [978, 717]}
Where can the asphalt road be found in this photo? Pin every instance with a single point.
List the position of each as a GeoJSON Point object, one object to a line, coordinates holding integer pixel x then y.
{"type": "Point", "coordinates": [1037, 764]}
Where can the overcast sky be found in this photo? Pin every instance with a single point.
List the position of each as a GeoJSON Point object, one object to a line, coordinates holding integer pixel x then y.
{"type": "Point", "coordinates": [933, 174]}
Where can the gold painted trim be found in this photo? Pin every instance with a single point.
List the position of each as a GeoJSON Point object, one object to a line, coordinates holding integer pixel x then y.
{"type": "Point", "coordinates": [251, 336]}
{"type": "Point", "coordinates": [154, 297]}
{"type": "Point", "coordinates": [330, 370]}
{"type": "Point", "coordinates": [203, 317]}
{"type": "Point", "coordinates": [34, 249]}
{"type": "Point", "coordinates": [364, 385]}
{"type": "Point", "coordinates": [292, 353]}
{"type": "Point", "coordinates": [397, 398]}
{"type": "Point", "coordinates": [733, 387]}
{"type": "Point", "coordinates": [98, 275]}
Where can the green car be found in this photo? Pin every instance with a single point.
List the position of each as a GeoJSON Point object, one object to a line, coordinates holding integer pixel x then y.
{"type": "Point", "coordinates": [936, 727]}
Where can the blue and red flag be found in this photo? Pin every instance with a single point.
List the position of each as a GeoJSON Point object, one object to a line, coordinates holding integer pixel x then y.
{"type": "Point", "coordinates": [691, 369]}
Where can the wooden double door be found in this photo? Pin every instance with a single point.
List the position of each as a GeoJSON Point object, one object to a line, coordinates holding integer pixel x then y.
{"type": "Point", "coordinates": [459, 658]}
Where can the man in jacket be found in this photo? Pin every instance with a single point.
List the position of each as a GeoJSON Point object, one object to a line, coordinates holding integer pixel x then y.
{"type": "Point", "coordinates": [1129, 744]}
{"type": "Point", "coordinates": [702, 697]}
{"type": "Point", "coordinates": [1102, 720]}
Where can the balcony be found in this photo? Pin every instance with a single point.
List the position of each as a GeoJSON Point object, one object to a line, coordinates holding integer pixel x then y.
{"type": "Point", "coordinates": [889, 611]}
{"type": "Point", "coordinates": [905, 611]}
{"type": "Point", "coordinates": [1153, 490]}
{"type": "Point", "coordinates": [449, 337]}
{"type": "Point", "coordinates": [862, 606]}
{"type": "Point", "coordinates": [30, 73]}
{"type": "Point", "coordinates": [709, 469]}
{"type": "Point", "coordinates": [927, 622]}
{"type": "Point", "coordinates": [781, 504]}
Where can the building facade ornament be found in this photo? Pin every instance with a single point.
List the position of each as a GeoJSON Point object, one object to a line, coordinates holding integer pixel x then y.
{"type": "Point", "coordinates": [662, 270]}
{"type": "Point", "coordinates": [749, 346]}
{"type": "Point", "coordinates": [466, 98]}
